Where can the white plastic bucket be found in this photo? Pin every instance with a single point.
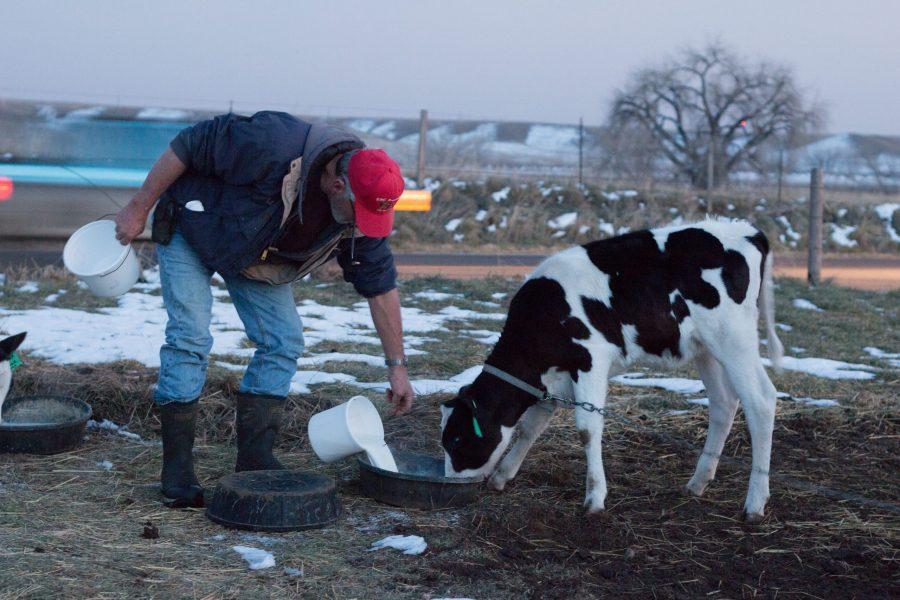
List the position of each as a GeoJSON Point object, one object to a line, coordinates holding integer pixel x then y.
{"type": "Point", "coordinates": [95, 256]}
{"type": "Point", "coordinates": [347, 429]}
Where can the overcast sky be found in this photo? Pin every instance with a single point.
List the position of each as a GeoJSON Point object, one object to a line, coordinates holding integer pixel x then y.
{"type": "Point", "coordinates": [496, 59]}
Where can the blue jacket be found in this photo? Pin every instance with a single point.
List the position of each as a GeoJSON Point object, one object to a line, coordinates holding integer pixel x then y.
{"type": "Point", "coordinates": [235, 168]}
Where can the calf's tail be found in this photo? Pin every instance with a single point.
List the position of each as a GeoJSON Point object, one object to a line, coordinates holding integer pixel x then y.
{"type": "Point", "coordinates": [767, 305]}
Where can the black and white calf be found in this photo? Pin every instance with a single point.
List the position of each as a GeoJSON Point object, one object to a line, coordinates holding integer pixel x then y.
{"type": "Point", "coordinates": [7, 347]}
{"type": "Point", "coordinates": [664, 297]}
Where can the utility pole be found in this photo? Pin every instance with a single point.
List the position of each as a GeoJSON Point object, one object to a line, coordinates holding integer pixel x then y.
{"type": "Point", "coordinates": [420, 163]}
{"type": "Point", "coordinates": [581, 151]}
{"type": "Point", "coordinates": [814, 241]}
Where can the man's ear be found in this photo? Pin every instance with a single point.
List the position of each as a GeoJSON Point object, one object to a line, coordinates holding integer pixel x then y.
{"type": "Point", "coordinates": [9, 345]}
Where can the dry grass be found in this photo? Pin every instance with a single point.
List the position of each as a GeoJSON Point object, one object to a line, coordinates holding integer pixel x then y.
{"type": "Point", "coordinates": [69, 528]}
{"type": "Point", "coordinates": [529, 206]}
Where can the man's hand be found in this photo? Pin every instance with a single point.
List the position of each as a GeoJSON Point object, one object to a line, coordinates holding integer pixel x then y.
{"type": "Point", "coordinates": [401, 394]}
{"type": "Point", "coordinates": [130, 221]}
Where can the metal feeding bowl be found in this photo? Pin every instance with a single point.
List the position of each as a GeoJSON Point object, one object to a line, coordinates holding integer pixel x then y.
{"type": "Point", "coordinates": [420, 483]}
{"type": "Point", "coordinates": [43, 424]}
{"type": "Point", "coordinates": [274, 501]}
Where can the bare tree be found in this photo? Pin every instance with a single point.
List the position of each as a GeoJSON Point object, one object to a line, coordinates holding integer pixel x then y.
{"type": "Point", "coordinates": [708, 111]}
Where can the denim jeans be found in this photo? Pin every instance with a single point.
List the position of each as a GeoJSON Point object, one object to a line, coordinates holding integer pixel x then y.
{"type": "Point", "coordinates": [268, 312]}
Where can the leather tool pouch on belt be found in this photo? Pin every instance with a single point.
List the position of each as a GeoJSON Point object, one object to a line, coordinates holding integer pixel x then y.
{"type": "Point", "coordinates": [164, 221]}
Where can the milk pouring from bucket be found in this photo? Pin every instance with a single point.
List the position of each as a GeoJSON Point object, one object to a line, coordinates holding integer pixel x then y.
{"type": "Point", "coordinates": [350, 428]}
{"type": "Point", "coordinates": [95, 256]}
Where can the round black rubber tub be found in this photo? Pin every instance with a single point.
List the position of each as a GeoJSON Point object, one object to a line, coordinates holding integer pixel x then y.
{"type": "Point", "coordinates": [274, 501]}
{"type": "Point", "coordinates": [43, 424]}
{"type": "Point", "coordinates": [420, 483]}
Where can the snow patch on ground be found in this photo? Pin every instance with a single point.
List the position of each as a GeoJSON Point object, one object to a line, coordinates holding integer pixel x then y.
{"type": "Point", "coordinates": [816, 401]}
{"type": "Point", "coordinates": [826, 368]}
{"type": "Point", "coordinates": [805, 304]}
{"type": "Point", "coordinates": [105, 464]}
{"type": "Point", "coordinates": [892, 358]}
{"type": "Point", "coordinates": [452, 224]}
{"type": "Point", "coordinates": [840, 235]}
{"type": "Point", "coordinates": [431, 295]}
{"type": "Point", "coordinates": [408, 544]}
{"type": "Point", "coordinates": [256, 559]}
{"type": "Point", "coordinates": [110, 426]}
{"type": "Point", "coordinates": [29, 287]}
{"type": "Point", "coordinates": [886, 213]}
{"type": "Point", "coordinates": [484, 336]}
{"type": "Point", "coordinates": [607, 228]}
{"type": "Point", "coordinates": [563, 221]}
{"type": "Point", "coordinates": [501, 195]}
{"type": "Point", "coordinates": [789, 230]}
{"type": "Point", "coordinates": [320, 359]}
{"type": "Point", "coordinates": [679, 385]}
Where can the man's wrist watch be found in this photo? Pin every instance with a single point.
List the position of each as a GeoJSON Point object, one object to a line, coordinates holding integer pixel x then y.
{"type": "Point", "coordinates": [396, 362]}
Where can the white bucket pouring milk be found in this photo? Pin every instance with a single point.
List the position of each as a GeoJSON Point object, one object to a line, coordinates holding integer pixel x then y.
{"type": "Point", "coordinates": [95, 256]}
{"type": "Point", "coordinates": [349, 428]}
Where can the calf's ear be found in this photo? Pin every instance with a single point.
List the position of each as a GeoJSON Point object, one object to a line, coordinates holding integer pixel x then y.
{"type": "Point", "coordinates": [9, 345]}
{"type": "Point", "coordinates": [459, 398]}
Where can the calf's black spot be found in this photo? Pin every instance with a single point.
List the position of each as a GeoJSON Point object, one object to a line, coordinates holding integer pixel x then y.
{"type": "Point", "coordinates": [680, 308]}
{"type": "Point", "coordinates": [759, 240]}
{"type": "Point", "coordinates": [643, 278]}
{"type": "Point", "coordinates": [735, 275]}
{"type": "Point", "coordinates": [604, 320]}
{"type": "Point", "coordinates": [539, 334]}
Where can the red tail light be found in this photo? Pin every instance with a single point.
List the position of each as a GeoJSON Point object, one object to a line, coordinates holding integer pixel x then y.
{"type": "Point", "coordinates": [6, 188]}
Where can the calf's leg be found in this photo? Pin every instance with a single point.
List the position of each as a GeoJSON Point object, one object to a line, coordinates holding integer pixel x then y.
{"type": "Point", "coordinates": [749, 379]}
{"type": "Point", "coordinates": [723, 403]}
{"type": "Point", "coordinates": [591, 387]}
{"type": "Point", "coordinates": [531, 426]}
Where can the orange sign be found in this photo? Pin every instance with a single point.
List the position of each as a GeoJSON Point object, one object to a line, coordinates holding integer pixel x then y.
{"type": "Point", "coordinates": [414, 201]}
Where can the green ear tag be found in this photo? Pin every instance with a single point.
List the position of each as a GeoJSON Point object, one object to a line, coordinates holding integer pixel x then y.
{"type": "Point", "coordinates": [476, 427]}
{"type": "Point", "coordinates": [14, 361]}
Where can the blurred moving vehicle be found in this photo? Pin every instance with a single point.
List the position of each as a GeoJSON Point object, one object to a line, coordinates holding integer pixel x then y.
{"type": "Point", "coordinates": [62, 166]}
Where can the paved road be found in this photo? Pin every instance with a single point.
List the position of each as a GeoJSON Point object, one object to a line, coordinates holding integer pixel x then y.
{"type": "Point", "coordinates": [876, 272]}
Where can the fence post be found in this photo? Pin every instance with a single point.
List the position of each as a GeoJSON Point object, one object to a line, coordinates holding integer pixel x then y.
{"type": "Point", "coordinates": [420, 163]}
{"type": "Point", "coordinates": [710, 172]}
{"type": "Point", "coordinates": [816, 215]}
{"type": "Point", "coordinates": [581, 151]}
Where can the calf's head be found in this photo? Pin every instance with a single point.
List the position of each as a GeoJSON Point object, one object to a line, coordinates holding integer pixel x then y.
{"type": "Point", "coordinates": [473, 436]}
{"type": "Point", "coordinates": [7, 347]}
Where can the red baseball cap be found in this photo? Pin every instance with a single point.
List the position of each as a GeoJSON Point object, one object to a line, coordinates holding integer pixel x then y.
{"type": "Point", "coordinates": [376, 183]}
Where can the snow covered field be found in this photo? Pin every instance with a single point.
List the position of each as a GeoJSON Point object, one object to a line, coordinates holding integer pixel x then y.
{"type": "Point", "coordinates": [132, 330]}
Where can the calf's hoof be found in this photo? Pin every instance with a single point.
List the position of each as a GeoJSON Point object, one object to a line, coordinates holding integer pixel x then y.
{"type": "Point", "coordinates": [752, 518]}
{"type": "Point", "coordinates": [696, 488]}
{"type": "Point", "coordinates": [593, 505]}
{"type": "Point", "coordinates": [497, 482]}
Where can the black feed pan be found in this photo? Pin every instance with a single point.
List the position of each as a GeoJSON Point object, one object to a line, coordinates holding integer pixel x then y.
{"type": "Point", "coordinates": [43, 424]}
{"type": "Point", "coordinates": [419, 484]}
{"type": "Point", "coordinates": [274, 501]}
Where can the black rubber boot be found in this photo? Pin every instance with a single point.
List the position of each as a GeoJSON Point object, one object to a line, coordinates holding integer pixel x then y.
{"type": "Point", "coordinates": [258, 422]}
{"type": "Point", "coordinates": [179, 483]}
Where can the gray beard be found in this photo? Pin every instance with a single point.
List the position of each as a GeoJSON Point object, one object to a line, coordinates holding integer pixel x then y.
{"type": "Point", "coordinates": [342, 210]}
